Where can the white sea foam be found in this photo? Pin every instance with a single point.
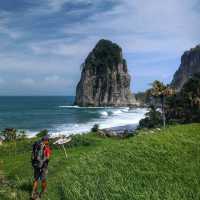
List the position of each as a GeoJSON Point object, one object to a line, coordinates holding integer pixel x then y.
{"type": "Point", "coordinates": [31, 134]}
{"type": "Point", "coordinates": [125, 109]}
{"type": "Point", "coordinates": [111, 117]}
{"type": "Point", "coordinates": [104, 113]}
{"type": "Point", "coordinates": [69, 107]}
{"type": "Point", "coordinates": [117, 112]}
{"type": "Point", "coordinates": [82, 107]}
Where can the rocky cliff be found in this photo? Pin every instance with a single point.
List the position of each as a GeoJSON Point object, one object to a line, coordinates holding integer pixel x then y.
{"type": "Point", "coordinates": [104, 79]}
{"type": "Point", "coordinates": [190, 65]}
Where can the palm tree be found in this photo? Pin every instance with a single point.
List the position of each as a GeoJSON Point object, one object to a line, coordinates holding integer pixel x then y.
{"type": "Point", "coordinates": [161, 91]}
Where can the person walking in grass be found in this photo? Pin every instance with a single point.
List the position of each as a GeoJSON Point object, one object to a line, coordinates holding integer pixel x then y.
{"type": "Point", "coordinates": [40, 158]}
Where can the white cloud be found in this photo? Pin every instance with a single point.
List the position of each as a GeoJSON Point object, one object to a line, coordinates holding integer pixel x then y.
{"type": "Point", "coordinates": [139, 26]}
{"type": "Point", "coordinates": [2, 81]}
{"type": "Point", "coordinates": [163, 29]}
{"type": "Point", "coordinates": [44, 82]}
{"type": "Point", "coordinates": [28, 82]}
{"type": "Point", "coordinates": [5, 19]}
{"type": "Point", "coordinates": [61, 47]}
{"type": "Point", "coordinates": [54, 6]}
{"type": "Point", "coordinates": [40, 86]}
{"type": "Point", "coordinates": [53, 78]}
{"type": "Point", "coordinates": [12, 34]}
{"type": "Point", "coordinates": [57, 5]}
{"type": "Point", "coordinates": [145, 22]}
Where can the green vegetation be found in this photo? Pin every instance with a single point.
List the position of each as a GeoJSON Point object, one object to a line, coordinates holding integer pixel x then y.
{"type": "Point", "coordinates": [157, 95]}
{"type": "Point", "coordinates": [195, 49]}
{"type": "Point", "coordinates": [184, 107]}
{"type": "Point", "coordinates": [152, 119]}
{"type": "Point", "coordinates": [42, 133]}
{"type": "Point", "coordinates": [105, 54]}
{"type": "Point", "coordinates": [181, 107]}
{"type": "Point", "coordinates": [95, 128]}
{"type": "Point", "coordinates": [161, 91]}
{"type": "Point", "coordinates": [11, 134]}
{"type": "Point", "coordinates": [151, 165]}
{"type": "Point", "coordinates": [143, 97]}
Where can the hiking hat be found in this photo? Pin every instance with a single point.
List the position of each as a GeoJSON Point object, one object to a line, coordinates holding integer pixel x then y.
{"type": "Point", "coordinates": [45, 138]}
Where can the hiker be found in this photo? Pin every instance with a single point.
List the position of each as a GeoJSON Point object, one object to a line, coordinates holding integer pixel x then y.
{"type": "Point", "coordinates": [40, 158]}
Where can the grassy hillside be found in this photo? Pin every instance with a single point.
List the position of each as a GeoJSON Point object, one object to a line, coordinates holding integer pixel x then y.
{"type": "Point", "coordinates": [162, 165]}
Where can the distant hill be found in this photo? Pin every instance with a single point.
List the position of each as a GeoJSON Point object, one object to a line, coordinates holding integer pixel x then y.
{"type": "Point", "coordinates": [190, 65]}
{"type": "Point", "coordinates": [104, 79]}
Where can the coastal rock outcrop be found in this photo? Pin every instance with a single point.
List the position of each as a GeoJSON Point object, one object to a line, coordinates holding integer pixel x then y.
{"type": "Point", "coordinates": [190, 65]}
{"type": "Point", "coordinates": [104, 79]}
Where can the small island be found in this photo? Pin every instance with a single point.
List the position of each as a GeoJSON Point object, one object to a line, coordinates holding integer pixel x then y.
{"type": "Point", "coordinates": [104, 79]}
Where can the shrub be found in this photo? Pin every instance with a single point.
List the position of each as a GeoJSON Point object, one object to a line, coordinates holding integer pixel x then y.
{"type": "Point", "coordinates": [153, 119]}
{"type": "Point", "coordinates": [184, 107]}
{"type": "Point", "coordinates": [95, 128]}
{"type": "Point", "coordinates": [21, 135]}
{"type": "Point", "coordinates": [42, 133]}
{"type": "Point", "coordinates": [9, 134]}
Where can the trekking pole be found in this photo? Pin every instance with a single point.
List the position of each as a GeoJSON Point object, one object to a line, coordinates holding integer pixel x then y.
{"type": "Point", "coordinates": [64, 150]}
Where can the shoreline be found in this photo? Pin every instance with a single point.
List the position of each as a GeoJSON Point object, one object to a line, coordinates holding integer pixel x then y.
{"type": "Point", "coordinates": [112, 131]}
{"type": "Point", "coordinates": [116, 119]}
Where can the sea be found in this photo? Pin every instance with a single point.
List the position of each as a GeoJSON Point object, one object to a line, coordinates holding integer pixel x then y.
{"type": "Point", "coordinates": [59, 116]}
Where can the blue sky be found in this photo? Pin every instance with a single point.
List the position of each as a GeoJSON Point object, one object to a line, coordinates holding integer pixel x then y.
{"type": "Point", "coordinates": [44, 42]}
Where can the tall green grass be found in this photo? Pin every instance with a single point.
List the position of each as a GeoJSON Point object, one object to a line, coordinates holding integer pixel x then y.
{"type": "Point", "coordinates": [156, 165]}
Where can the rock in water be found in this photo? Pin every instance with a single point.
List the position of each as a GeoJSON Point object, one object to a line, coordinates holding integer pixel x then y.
{"type": "Point", "coordinates": [104, 79]}
{"type": "Point", "coordinates": [190, 65]}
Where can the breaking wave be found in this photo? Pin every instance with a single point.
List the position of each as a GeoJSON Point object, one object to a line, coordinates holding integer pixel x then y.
{"type": "Point", "coordinates": [104, 113]}
{"type": "Point", "coordinates": [109, 117]}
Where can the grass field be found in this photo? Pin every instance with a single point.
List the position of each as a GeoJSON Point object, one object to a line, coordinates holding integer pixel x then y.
{"type": "Point", "coordinates": [162, 165]}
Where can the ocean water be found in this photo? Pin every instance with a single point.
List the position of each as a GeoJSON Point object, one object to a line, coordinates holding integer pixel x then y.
{"type": "Point", "coordinates": [59, 116]}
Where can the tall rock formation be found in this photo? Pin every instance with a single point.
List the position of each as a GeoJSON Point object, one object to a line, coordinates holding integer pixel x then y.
{"type": "Point", "coordinates": [104, 79]}
{"type": "Point", "coordinates": [190, 65]}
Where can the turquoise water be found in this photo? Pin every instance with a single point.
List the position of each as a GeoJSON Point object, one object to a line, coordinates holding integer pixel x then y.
{"type": "Point", "coordinates": [58, 115]}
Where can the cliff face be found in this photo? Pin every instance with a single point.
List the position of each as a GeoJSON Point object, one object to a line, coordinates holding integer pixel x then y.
{"type": "Point", "coordinates": [190, 65]}
{"type": "Point", "coordinates": [104, 79]}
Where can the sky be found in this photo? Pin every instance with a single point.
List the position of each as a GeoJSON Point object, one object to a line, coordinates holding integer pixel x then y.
{"type": "Point", "coordinates": [44, 42]}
